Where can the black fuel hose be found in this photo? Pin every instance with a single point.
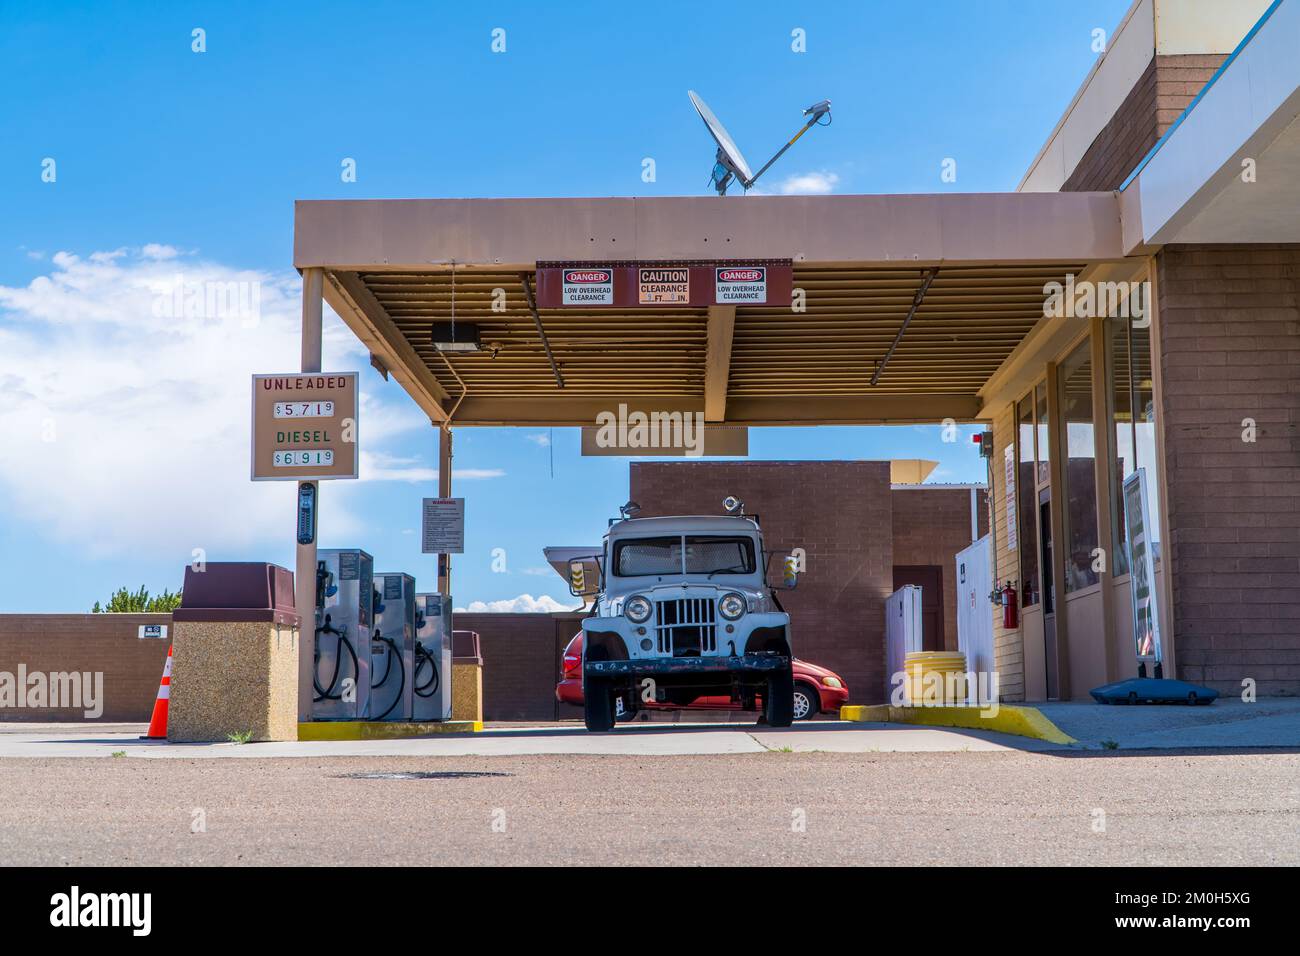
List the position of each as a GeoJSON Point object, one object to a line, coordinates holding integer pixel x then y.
{"type": "Point", "coordinates": [342, 642]}
{"type": "Point", "coordinates": [429, 687]}
{"type": "Point", "coordinates": [393, 651]}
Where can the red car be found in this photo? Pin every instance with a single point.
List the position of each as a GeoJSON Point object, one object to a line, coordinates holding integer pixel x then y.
{"type": "Point", "coordinates": [816, 690]}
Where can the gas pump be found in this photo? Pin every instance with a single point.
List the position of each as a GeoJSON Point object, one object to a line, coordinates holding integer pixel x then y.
{"type": "Point", "coordinates": [344, 617]}
{"type": "Point", "coordinates": [392, 647]}
{"type": "Point", "coordinates": [431, 684]}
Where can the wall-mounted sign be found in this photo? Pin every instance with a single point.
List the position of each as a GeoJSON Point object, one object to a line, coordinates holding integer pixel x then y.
{"type": "Point", "coordinates": [1009, 492]}
{"type": "Point", "coordinates": [588, 286]}
{"type": "Point", "coordinates": [740, 285]}
{"type": "Point", "coordinates": [563, 285]}
{"type": "Point", "coordinates": [443, 526]}
{"type": "Point", "coordinates": [304, 426]}
{"type": "Point", "coordinates": [658, 285]}
{"type": "Point", "coordinates": [153, 632]}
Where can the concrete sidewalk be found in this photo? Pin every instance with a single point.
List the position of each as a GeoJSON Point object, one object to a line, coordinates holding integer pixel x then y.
{"type": "Point", "coordinates": [83, 740]}
{"type": "Point", "coordinates": [1269, 722]}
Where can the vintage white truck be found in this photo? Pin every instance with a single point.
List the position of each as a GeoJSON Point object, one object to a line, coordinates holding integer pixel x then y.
{"type": "Point", "coordinates": [682, 609]}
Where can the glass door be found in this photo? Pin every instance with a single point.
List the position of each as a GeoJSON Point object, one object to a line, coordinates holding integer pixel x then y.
{"type": "Point", "coordinates": [1049, 590]}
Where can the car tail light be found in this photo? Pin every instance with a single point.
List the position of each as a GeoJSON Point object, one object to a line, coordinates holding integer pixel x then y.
{"type": "Point", "coordinates": [572, 666]}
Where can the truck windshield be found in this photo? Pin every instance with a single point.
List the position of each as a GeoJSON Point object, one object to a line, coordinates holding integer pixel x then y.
{"type": "Point", "coordinates": [691, 554]}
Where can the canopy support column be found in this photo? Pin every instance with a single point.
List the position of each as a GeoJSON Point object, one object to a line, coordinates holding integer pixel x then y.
{"type": "Point", "coordinates": [313, 291]}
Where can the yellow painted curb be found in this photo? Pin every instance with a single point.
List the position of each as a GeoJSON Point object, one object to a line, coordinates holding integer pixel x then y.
{"type": "Point", "coordinates": [1010, 719]}
{"type": "Point", "coordinates": [865, 714]}
{"type": "Point", "coordinates": [382, 729]}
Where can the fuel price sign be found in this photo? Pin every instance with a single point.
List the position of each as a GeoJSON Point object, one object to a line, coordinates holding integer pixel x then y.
{"type": "Point", "coordinates": [304, 426]}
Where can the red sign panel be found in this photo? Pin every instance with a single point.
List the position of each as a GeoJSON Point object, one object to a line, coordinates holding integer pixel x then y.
{"type": "Point", "coordinates": [739, 282]}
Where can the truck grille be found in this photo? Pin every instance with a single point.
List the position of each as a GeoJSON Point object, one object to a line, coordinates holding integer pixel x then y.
{"type": "Point", "coordinates": [686, 627]}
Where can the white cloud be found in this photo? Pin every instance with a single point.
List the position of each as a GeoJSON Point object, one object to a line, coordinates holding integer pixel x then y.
{"type": "Point", "coordinates": [542, 439]}
{"type": "Point", "coordinates": [124, 395]}
{"type": "Point", "coordinates": [817, 183]}
{"type": "Point", "coordinates": [539, 572]}
{"type": "Point", "coordinates": [377, 466]}
{"type": "Point", "coordinates": [124, 405]}
{"type": "Point", "coordinates": [524, 604]}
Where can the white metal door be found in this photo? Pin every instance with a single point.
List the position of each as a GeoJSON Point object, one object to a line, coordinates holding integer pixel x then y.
{"type": "Point", "coordinates": [974, 612]}
{"type": "Point", "coordinates": [902, 632]}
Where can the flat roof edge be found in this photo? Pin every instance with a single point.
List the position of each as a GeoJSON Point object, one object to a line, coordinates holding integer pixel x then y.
{"type": "Point", "coordinates": [887, 229]}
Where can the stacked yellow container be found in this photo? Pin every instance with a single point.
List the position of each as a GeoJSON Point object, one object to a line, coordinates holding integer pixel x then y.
{"type": "Point", "coordinates": [948, 686]}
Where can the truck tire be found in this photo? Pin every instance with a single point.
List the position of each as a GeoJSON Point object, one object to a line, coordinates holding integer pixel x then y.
{"type": "Point", "coordinates": [598, 705]}
{"type": "Point", "coordinates": [778, 703]}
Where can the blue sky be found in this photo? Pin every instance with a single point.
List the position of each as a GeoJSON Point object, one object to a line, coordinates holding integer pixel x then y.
{"type": "Point", "coordinates": [125, 432]}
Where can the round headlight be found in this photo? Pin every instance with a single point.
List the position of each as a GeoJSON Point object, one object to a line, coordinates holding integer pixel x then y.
{"type": "Point", "coordinates": [732, 606]}
{"type": "Point", "coordinates": [832, 682]}
{"type": "Point", "coordinates": [637, 609]}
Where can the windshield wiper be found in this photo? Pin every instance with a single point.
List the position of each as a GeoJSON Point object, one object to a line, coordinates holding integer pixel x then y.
{"type": "Point", "coordinates": [735, 569]}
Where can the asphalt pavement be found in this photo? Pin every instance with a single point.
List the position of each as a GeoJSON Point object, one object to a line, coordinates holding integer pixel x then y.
{"type": "Point", "coordinates": [775, 806]}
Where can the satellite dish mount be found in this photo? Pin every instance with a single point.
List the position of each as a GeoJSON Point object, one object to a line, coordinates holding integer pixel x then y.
{"type": "Point", "coordinates": [729, 164]}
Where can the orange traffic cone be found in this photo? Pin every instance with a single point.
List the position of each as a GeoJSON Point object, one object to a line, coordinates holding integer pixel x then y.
{"type": "Point", "coordinates": [158, 724]}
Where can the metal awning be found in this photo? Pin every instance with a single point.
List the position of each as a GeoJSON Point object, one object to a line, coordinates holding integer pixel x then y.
{"type": "Point", "coordinates": [741, 365]}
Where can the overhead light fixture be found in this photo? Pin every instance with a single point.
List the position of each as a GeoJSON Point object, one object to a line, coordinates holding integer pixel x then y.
{"type": "Point", "coordinates": [454, 337]}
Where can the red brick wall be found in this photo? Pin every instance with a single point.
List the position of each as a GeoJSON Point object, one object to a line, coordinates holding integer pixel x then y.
{"type": "Point", "coordinates": [107, 643]}
{"type": "Point", "coordinates": [930, 526]}
{"type": "Point", "coordinates": [520, 664]}
{"type": "Point", "coordinates": [1230, 350]}
{"type": "Point", "coordinates": [1151, 107]}
{"type": "Point", "coordinates": [839, 512]}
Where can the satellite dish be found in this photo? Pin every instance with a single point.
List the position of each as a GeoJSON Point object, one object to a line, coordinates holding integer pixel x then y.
{"type": "Point", "coordinates": [728, 162]}
{"type": "Point", "coordinates": [729, 157]}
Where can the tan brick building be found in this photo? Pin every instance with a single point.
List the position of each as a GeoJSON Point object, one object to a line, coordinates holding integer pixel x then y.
{"type": "Point", "coordinates": [1203, 391]}
{"type": "Point", "coordinates": [1130, 314]}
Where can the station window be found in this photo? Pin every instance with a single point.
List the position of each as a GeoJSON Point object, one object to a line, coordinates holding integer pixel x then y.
{"type": "Point", "coordinates": [1026, 495]}
{"type": "Point", "coordinates": [1132, 411]}
{"type": "Point", "coordinates": [1044, 458]}
{"type": "Point", "coordinates": [1079, 468]}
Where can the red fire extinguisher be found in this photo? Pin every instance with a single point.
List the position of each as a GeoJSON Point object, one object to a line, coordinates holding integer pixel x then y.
{"type": "Point", "coordinates": [1009, 617]}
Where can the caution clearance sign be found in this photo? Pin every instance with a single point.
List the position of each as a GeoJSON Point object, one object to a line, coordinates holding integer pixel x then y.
{"type": "Point", "coordinates": [664, 286]}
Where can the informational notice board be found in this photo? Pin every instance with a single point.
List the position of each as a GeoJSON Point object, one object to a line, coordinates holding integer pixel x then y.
{"type": "Point", "coordinates": [1009, 492]}
{"type": "Point", "coordinates": [1142, 565]}
{"type": "Point", "coordinates": [443, 526]}
{"type": "Point", "coordinates": [304, 426]}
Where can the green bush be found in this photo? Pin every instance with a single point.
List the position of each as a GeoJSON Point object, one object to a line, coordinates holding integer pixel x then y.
{"type": "Point", "coordinates": [138, 602]}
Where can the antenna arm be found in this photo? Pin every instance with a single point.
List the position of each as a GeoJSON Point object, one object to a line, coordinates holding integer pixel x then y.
{"type": "Point", "coordinates": [812, 121]}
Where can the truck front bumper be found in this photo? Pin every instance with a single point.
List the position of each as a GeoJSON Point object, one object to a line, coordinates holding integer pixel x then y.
{"type": "Point", "coordinates": [688, 665]}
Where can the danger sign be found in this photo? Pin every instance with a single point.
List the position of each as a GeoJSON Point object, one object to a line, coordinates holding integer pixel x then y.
{"type": "Point", "coordinates": [740, 284]}
{"type": "Point", "coordinates": [591, 286]}
{"type": "Point", "coordinates": [664, 286]}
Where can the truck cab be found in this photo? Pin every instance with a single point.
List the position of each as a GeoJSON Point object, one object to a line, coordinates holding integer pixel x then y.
{"type": "Point", "coordinates": [682, 609]}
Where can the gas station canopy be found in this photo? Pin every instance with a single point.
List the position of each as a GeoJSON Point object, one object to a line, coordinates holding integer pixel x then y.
{"type": "Point", "coordinates": [905, 305]}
